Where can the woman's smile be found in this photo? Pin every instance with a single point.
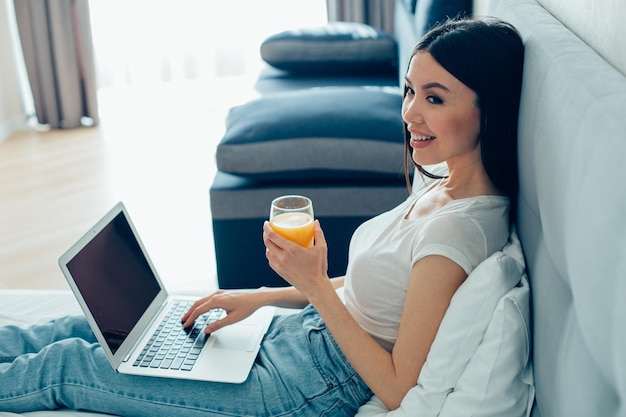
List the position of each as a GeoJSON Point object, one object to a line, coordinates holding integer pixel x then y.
{"type": "Point", "coordinates": [420, 140]}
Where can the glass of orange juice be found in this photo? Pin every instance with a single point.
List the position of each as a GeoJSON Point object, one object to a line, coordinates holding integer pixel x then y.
{"type": "Point", "coordinates": [291, 216]}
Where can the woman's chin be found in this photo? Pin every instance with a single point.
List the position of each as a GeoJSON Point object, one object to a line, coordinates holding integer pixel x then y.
{"type": "Point", "coordinates": [422, 161]}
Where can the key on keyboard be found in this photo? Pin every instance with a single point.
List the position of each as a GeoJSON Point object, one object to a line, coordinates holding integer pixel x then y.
{"type": "Point", "coordinates": [174, 347]}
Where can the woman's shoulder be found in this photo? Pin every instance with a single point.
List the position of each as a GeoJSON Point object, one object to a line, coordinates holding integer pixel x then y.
{"type": "Point", "coordinates": [476, 228]}
{"type": "Point", "coordinates": [477, 212]}
{"type": "Point", "coordinates": [476, 206]}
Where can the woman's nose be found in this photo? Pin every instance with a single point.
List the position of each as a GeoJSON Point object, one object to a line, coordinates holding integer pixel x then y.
{"type": "Point", "coordinates": [411, 112]}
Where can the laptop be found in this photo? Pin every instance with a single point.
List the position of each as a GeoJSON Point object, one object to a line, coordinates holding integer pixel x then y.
{"type": "Point", "coordinates": [126, 304]}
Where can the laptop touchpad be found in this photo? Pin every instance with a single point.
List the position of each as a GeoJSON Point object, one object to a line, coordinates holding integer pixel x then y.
{"type": "Point", "coordinates": [238, 337]}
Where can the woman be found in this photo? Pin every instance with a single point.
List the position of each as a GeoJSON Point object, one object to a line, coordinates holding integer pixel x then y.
{"type": "Point", "coordinates": [460, 108]}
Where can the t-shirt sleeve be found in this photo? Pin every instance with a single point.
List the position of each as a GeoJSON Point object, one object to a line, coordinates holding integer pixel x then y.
{"type": "Point", "coordinates": [455, 236]}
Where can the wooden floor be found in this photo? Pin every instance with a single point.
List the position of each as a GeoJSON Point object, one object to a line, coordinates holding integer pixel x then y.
{"type": "Point", "coordinates": [153, 149]}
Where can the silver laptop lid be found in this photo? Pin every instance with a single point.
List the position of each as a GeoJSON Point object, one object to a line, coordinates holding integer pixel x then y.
{"type": "Point", "coordinates": [115, 282]}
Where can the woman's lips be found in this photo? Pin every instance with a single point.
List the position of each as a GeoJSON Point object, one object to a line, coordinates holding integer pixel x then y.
{"type": "Point", "coordinates": [420, 141]}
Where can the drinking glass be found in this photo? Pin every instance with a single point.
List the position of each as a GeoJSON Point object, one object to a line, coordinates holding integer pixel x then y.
{"type": "Point", "coordinates": [291, 216]}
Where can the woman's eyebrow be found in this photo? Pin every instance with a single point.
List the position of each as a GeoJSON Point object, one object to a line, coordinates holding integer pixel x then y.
{"type": "Point", "coordinates": [430, 85]}
{"type": "Point", "coordinates": [435, 85]}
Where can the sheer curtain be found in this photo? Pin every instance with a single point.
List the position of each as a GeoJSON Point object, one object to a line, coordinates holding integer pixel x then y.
{"type": "Point", "coordinates": [376, 13]}
{"type": "Point", "coordinates": [147, 41]}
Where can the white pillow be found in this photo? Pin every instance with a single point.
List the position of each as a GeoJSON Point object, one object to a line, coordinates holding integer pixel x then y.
{"type": "Point", "coordinates": [479, 363]}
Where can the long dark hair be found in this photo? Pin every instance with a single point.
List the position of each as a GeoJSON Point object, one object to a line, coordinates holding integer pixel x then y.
{"type": "Point", "coordinates": [487, 55]}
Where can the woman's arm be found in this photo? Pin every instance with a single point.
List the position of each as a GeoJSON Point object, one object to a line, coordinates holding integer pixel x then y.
{"type": "Point", "coordinates": [434, 279]}
{"type": "Point", "coordinates": [240, 304]}
{"type": "Point", "coordinates": [288, 297]}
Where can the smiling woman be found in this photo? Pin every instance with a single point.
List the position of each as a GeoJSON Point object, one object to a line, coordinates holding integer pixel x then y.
{"type": "Point", "coordinates": [495, 90]}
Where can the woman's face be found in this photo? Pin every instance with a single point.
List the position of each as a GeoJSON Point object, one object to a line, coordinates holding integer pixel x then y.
{"type": "Point", "coordinates": [441, 114]}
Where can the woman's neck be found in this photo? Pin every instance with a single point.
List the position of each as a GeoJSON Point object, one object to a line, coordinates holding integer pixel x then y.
{"type": "Point", "coordinates": [469, 180]}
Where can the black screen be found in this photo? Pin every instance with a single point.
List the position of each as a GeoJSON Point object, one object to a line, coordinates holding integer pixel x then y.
{"type": "Point", "coordinates": [115, 280]}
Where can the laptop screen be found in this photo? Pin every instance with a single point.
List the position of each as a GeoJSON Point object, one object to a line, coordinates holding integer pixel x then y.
{"type": "Point", "coordinates": [115, 280]}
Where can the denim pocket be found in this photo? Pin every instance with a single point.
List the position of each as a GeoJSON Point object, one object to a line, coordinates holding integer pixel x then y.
{"type": "Point", "coordinates": [321, 354]}
{"type": "Point", "coordinates": [335, 369]}
{"type": "Point", "coordinates": [306, 370]}
{"type": "Point", "coordinates": [339, 409]}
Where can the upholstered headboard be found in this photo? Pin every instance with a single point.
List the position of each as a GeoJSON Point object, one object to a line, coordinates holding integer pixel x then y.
{"type": "Point", "coordinates": [572, 214]}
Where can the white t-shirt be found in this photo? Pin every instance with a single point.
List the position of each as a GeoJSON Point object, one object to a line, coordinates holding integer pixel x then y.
{"type": "Point", "coordinates": [384, 249]}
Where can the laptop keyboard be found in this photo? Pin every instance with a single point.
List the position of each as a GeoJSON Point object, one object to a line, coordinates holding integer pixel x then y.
{"type": "Point", "coordinates": [174, 347]}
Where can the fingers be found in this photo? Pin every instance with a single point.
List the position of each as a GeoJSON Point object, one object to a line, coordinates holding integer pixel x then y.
{"type": "Point", "coordinates": [199, 307]}
{"type": "Point", "coordinates": [218, 324]}
{"type": "Point", "coordinates": [275, 244]}
{"type": "Point", "coordinates": [237, 304]}
{"type": "Point", "coordinates": [273, 241]}
{"type": "Point", "coordinates": [320, 239]}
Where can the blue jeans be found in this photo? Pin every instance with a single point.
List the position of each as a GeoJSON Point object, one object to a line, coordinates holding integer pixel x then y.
{"type": "Point", "coordinates": [300, 371]}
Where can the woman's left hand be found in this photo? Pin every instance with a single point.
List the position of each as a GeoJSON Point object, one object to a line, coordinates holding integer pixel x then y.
{"type": "Point", "coordinates": [304, 268]}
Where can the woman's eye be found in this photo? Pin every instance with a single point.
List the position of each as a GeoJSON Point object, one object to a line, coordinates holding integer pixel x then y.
{"type": "Point", "coordinates": [434, 99]}
{"type": "Point", "coordinates": [408, 90]}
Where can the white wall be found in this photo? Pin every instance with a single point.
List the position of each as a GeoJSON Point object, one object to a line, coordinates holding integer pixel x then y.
{"type": "Point", "coordinates": [12, 117]}
{"type": "Point", "coordinates": [600, 23]}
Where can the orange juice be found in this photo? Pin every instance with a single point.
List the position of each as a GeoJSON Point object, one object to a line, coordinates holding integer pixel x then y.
{"type": "Point", "coordinates": [297, 227]}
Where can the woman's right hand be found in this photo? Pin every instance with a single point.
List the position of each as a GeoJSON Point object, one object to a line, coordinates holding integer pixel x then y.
{"type": "Point", "coordinates": [238, 305]}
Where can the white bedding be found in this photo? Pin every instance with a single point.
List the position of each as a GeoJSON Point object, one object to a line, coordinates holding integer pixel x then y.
{"type": "Point", "coordinates": [481, 352]}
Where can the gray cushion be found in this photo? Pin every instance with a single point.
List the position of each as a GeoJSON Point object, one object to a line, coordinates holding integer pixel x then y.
{"type": "Point", "coordinates": [338, 47]}
{"type": "Point", "coordinates": [335, 133]}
